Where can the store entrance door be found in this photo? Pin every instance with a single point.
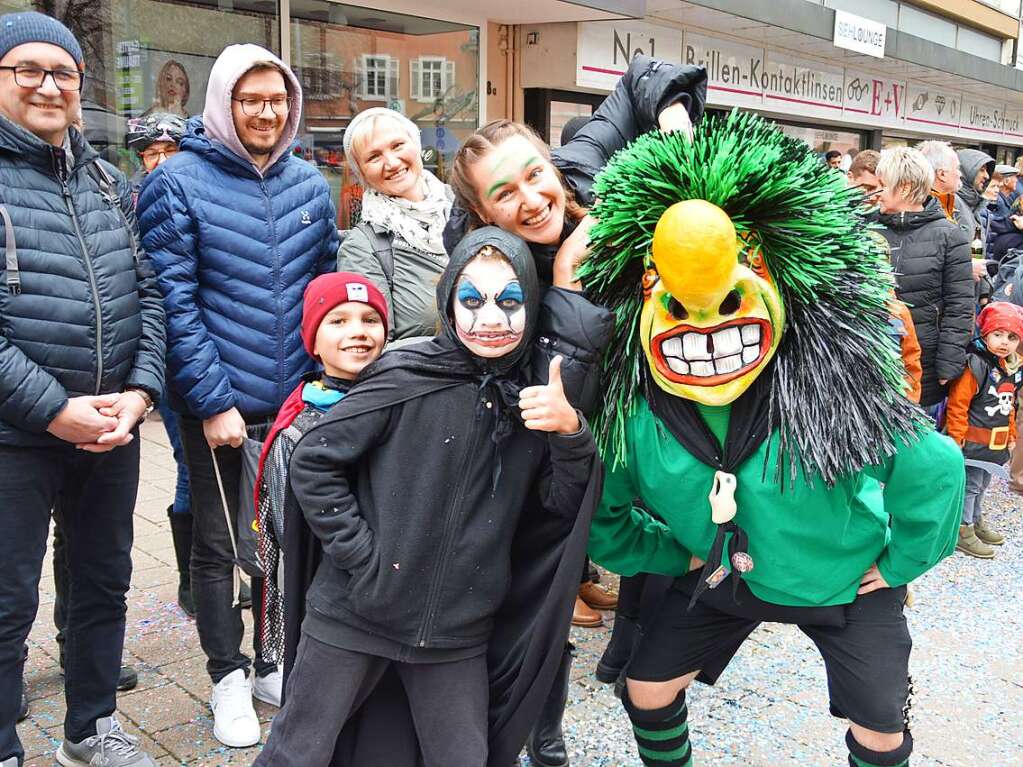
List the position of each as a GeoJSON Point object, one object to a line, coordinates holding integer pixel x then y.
{"type": "Point", "coordinates": [547, 110]}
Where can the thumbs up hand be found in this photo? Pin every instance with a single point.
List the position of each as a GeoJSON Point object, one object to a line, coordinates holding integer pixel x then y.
{"type": "Point", "coordinates": [545, 408]}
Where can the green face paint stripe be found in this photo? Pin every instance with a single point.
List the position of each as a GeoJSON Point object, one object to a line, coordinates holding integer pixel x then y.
{"type": "Point", "coordinates": [530, 161]}
{"type": "Point", "coordinates": [685, 752]}
{"type": "Point", "coordinates": [657, 735]}
{"type": "Point", "coordinates": [497, 185]}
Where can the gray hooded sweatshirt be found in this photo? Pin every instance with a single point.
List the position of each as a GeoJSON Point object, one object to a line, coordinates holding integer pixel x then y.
{"type": "Point", "coordinates": [969, 202]}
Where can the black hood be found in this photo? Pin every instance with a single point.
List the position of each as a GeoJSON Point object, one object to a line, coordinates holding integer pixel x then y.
{"type": "Point", "coordinates": [521, 260]}
{"type": "Point", "coordinates": [913, 219]}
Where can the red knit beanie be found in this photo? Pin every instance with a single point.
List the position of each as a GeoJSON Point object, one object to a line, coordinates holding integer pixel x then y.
{"type": "Point", "coordinates": [1000, 315]}
{"type": "Point", "coordinates": [329, 290]}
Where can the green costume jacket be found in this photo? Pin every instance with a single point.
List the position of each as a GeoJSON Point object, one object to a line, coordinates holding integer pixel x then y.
{"type": "Point", "coordinates": [810, 544]}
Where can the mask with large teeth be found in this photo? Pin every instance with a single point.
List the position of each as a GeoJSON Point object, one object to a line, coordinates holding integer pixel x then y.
{"type": "Point", "coordinates": [711, 320]}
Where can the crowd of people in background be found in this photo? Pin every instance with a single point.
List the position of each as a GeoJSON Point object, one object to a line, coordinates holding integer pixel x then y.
{"type": "Point", "coordinates": [215, 286]}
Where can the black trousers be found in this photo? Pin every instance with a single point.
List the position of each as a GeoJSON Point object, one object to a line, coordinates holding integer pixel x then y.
{"type": "Point", "coordinates": [95, 495]}
{"type": "Point", "coordinates": [218, 621]}
{"type": "Point", "coordinates": [327, 685]}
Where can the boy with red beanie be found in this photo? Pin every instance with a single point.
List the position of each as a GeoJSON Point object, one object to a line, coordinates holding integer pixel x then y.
{"type": "Point", "coordinates": [981, 416]}
{"type": "Point", "coordinates": [344, 328]}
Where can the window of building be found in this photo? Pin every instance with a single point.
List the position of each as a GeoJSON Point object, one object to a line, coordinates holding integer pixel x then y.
{"type": "Point", "coordinates": [354, 56]}
{"type": "Point", "coordinates": [379, 78]}
{"type": "Point", "coordinates": [431, 76]}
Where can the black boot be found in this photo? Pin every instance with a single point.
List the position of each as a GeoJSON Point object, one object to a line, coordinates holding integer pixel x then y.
{"type": "Point", "coordinates": [181, 532]}
{"type": "Point", "coordinates": [616, 655]}
{"type": "Point", "coordinates": [546, 745]}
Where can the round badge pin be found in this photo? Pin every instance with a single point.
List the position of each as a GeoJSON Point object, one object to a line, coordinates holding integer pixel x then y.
{"type": "Point", "coordinates": [742, 561]}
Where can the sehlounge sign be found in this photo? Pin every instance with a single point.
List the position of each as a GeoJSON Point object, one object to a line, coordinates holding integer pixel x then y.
{"type": "Point", "coordinates": [855, 33]}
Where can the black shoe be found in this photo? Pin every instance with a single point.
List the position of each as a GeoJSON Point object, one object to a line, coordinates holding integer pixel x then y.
{"type": "Point", "coordinates": [618, 651]}
{"type": "Point", "coordinates": [244, 596]}
{"type": "Point", "coordinates": [546, 744]}
{"type": "Point", "coordinates": [181, 532]}
{"type": "Point", "coordinates": [128, 680]}
{"type": "Point", "coordinates": [23, 711]}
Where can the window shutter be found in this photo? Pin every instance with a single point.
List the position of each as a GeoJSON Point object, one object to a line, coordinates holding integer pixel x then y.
{"type": "Point", "coordinates": [415, 79]}
{"type": "Point", "coordinates": [449, 75]}
{"type": "Point", "coordinates": [362, 74]}
{"type": "Point", "coordinates": [392, 78]}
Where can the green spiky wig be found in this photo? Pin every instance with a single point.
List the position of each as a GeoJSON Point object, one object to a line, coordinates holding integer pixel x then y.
{"type": "Point", "coordinates": [837, 378]}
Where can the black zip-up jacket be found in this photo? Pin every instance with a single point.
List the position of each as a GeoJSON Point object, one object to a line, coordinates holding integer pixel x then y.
{"type": "Point", "coordinates": [419, 553]}
{"type": "Point", "coordinates": [933, 277]}
{"type": "Point", "coordinates": [416, 498]}
{"type": "Point", "coordinates": [80, 311]}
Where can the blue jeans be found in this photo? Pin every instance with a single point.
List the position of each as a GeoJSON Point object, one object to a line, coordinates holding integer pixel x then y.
{"type": "Point", "coordinates": [95, 497]}
{"type": "Point", "coordinates": [182, 502]}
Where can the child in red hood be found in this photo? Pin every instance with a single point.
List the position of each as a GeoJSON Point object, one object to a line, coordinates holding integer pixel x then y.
{"type": "Point", "coordinates": [344, 327]}
{"type": "Point", "coordinates": [981, 415]}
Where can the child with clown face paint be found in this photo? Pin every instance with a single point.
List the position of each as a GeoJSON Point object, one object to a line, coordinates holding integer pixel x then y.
{"type": "Point", "coordinates": [454, 483]}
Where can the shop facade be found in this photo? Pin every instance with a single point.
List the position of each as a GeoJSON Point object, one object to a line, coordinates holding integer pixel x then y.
{"type": "Point", "coordinates": [828, 97]}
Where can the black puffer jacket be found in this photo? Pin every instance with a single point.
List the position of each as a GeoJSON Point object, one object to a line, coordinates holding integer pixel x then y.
{"type": "Point", "coordinates": [80, 312]}
{"type": "Point", "coordinates": [931, 259]}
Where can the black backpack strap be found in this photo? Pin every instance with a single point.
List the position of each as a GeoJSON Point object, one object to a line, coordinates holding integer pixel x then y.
{"type": "Point", "coordinates": [383, 250]}
{"type": "Point", "coordinates": [10, 254]}
{"type": "Point", "coordinates": [108, 188]}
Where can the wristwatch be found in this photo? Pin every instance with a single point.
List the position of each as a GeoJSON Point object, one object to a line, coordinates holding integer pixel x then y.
{"type": "Point", "coordinates": [145, 398]}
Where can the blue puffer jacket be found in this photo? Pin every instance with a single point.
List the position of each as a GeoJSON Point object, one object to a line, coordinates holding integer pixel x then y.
{"type": "Point", "coordinates": [80, 311]}
{"type": "Point", "coordinates": [233, 252]}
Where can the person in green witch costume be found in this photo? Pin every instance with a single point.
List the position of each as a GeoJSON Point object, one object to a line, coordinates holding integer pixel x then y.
{"type": "Point", "coordinates": [754, 405]}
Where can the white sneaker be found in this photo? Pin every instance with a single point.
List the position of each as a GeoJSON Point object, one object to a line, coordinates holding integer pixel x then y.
{"type": "Point", "coordinates": [268, 688]}
{"type": "Point", "coordinates": [234, 719]}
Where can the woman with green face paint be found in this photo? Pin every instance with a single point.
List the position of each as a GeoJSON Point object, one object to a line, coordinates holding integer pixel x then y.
{"type": "Point", "coordinates": [505, 175]}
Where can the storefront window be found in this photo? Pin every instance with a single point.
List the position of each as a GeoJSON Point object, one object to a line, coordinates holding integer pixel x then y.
{"type": "Point", "coordinates": [350, 58]}
{"type": "Point", "coordinates": [823, 140]}
{"type": "Point", "coordinates": [149, 55]}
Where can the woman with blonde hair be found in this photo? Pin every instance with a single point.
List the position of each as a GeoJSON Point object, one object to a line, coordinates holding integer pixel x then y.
{"type": "Point", "coordinates": [933, 274]}
{"type": "Point", "coordinates": [398, 243]}
{"type": "Point", "coordinates": [172, 90]}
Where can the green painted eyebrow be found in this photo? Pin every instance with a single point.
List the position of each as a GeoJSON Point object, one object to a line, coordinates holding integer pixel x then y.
{"type": "Point", "coordinates": [529, 162]}
{"type": "Point", "coordinates": [497, 185]}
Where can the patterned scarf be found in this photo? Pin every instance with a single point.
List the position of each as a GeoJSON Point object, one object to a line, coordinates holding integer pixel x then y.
{"type": "Point", "coordinates": [420, 224]}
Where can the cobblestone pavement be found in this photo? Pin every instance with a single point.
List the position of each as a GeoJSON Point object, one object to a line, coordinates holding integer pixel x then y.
{"type": "Point", "coordinates": [769, 708]}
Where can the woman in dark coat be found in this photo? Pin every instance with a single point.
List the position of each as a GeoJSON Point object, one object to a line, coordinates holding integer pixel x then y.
{"type": "Point", "coordinates": [931, 259]}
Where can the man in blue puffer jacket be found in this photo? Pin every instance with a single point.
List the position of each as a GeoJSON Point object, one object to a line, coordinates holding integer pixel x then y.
{"type": "Point", "coordinates": [237, 226]}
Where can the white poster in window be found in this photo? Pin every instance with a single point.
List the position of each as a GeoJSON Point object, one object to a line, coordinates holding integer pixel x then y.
{"type": "Point", "coordinates": [605, 48]}
{"type": "Point", "coordinates": [734, 70]}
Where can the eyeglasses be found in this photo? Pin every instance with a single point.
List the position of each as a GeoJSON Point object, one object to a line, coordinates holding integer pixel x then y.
{"type": "Point", "coordinates": [152, 156]}
{"type": "Point", "coordinates": [253, 107]}
{"type": "Point", "coordinates": [34, 77]}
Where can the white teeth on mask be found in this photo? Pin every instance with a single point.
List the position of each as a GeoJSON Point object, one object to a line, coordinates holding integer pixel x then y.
{"type": "Point", "coordinates": [678, 366]}
{"type": "Point", "coordinates": [728, 364]}
{"type": "Point", "coordinates": [694, 347]}
{"type": "Point", "coordinates": [707, 354]}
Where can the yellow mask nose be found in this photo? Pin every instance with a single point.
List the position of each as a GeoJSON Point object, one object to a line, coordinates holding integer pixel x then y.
{"type": "Point", "coordinates": [695, 251]}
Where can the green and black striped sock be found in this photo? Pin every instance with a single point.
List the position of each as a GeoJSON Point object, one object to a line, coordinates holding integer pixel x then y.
{"type": "Point", "coordinates": [662, 735]}
{"type": "Point", "coordinates": [861, 756]}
